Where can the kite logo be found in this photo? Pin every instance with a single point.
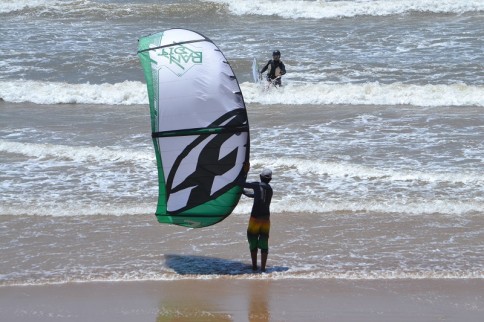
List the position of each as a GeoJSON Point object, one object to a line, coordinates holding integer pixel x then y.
{"type": "Point", "coordinates": [178, 59]}
{"type": "Point", "coordinates": [199, 186]}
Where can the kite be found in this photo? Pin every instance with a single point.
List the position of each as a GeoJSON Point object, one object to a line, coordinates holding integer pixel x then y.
{"type": "Point", "coordinates": [199, 125]}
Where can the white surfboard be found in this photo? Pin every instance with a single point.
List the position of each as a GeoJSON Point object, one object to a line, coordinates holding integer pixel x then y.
{"type": "Point", "coordinates": [255, 71]}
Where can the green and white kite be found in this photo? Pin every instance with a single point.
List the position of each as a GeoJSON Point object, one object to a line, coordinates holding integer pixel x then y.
{"type": "Point", "coordinates": [199, 124]}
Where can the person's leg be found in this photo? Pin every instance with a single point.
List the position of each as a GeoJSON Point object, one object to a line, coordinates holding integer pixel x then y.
{"type": "Point", "coordinates": [263, 260]}
{"type": "Point", "coordinates": [264, 243]}
{"type": "Point", "coordinates": [252, 238]}
{"type": "Point", "coordinates": [253, 255]}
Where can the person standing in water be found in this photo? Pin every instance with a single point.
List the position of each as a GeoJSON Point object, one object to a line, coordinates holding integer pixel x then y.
{"type": "Point", "coordinates": [276, 69]}
{"type": "Point", "coordinates": [259, 222]}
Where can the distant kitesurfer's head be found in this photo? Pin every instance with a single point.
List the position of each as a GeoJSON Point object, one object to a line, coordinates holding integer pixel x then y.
{"type": "Point", "coordinates": [266, 175]}
{"type": "Point", "coordinates": [276, 54]}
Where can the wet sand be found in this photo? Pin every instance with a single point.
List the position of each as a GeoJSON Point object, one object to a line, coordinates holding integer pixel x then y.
{"type": "Point", "coordinates": [247, 300]}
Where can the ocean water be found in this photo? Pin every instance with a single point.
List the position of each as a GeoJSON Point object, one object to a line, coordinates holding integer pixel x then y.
{"type": "Point", "coordinates": [376, 140]}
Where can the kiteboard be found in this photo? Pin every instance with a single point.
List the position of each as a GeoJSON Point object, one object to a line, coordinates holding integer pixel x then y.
{"type": "Point", "coordinates": [199, 127]}
{"type": "Point", "coordinates": [255, 71]}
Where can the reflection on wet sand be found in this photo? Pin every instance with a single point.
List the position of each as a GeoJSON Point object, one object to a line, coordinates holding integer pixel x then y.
{"type": "Point", "coordinates": [258, 310]}
{"type": "Point", "coordinates": [214, 300]}
{"type": "Point", "coordinates": [197, 299]}
{"type": "Point", "coordinates": [190, 307]}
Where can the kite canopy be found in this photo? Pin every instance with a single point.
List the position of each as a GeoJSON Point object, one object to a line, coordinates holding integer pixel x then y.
{"type": "Point", "coordinates": [199, 124]}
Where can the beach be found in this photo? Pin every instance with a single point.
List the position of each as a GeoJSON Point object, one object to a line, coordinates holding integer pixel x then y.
{"type": "Point", "coordinates": [375, 141]}
{"type": "Point", "coordinates": [248, 300]}
{"type": "Point", "coordinates": [133, 269]}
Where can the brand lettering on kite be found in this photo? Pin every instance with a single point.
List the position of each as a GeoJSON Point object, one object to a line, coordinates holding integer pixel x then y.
{"type": "Point", "coordinates": [179, 59]}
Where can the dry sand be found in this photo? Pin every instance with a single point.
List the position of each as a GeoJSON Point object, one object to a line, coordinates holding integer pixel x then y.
{"type": "Point", "coordinates": [247, 300]}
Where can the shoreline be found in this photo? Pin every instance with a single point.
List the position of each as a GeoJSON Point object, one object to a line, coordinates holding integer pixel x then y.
{"type": "Point", "coordinates": [247, 300]}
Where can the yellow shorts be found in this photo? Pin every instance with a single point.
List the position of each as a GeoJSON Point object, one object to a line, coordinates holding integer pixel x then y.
{"type": "Point", "coordinates": [258, 234]}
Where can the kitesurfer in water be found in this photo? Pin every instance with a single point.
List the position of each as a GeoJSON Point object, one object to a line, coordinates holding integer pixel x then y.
{"type": "Point", "coordinates": [259, 222]}
{"type": "Point", "coordinates": [276, 69]}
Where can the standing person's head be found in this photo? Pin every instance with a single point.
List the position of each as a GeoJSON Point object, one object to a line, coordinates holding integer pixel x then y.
{"type": "Point", "coordinates": [266, 175]}
{"type": "Point", "coordinates": [276, 55]}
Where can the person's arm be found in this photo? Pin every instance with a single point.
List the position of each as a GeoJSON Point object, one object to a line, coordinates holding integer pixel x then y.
{"type": "Point", "coordinates": [246, 192]}
{"type": "Point", "coordinates": [283, 68]}
{"type": "Point", "coordinates": [243, 176]}
{"type": "Point", "coordinates": [265, 67]}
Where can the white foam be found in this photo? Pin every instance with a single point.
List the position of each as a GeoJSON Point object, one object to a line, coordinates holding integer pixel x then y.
{"type": "Point", "coordinates": [68, 6]}
{"type": "Point", "coordinates": [132, 93]}
{"type": "Point", "coordinates": [292, 9]}
{"type": "Point", "coordinates": [445, 207]}
{"type": "Point", "coordinates": [140, 275]}
{"type": "Point", "coordinates": [287, 205]}
{"type": "Point", "coordinates": [17, 5]}
{"type": "Point", "coordinates": [348, 170]}
{"type": "Point", "coordinates": [367, 94]}
{"type": "Point", "coordinates": [76, 153]}
{"type": "Point", "coordinates": [78, 208]}
{"type": "Point", "coordinates": [125, 93]}
{"type": "Point", "coordinates": [310, 205]}
{"type": "Point", "coordinates": [336, 9]}
{"type": "Point", "coordinates": [313, 186]}
{"type": "Point", "coordinates": [304, 185]}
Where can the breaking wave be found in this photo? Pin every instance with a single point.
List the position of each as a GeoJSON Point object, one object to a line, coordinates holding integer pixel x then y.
{"type": "Point", "coordinates": [133, 93]}
{"type": "Point", "coordinates": [339, 9]}
{"type": "Point", "coordinates": [291, 9]}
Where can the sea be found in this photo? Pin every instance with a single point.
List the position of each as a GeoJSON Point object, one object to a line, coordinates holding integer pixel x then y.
{"type": "Point", "coordinates": [375, 139]}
